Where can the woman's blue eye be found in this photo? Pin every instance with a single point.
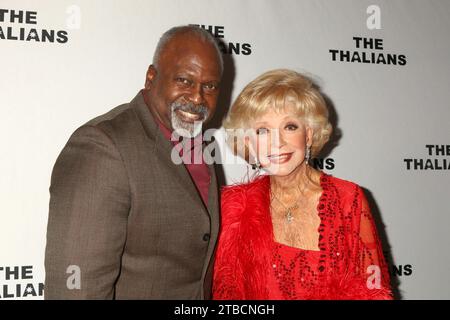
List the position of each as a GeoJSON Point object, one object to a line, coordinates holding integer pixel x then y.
{"type": "Point", "coordinates": [291, 127]}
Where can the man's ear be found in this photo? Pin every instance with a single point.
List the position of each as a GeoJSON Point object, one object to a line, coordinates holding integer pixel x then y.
{"type": "Point", "coordinates": [150, 76]}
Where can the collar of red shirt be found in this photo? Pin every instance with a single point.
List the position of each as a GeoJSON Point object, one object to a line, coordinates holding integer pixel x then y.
{"type": "Point", "coordinates": [199, 172]}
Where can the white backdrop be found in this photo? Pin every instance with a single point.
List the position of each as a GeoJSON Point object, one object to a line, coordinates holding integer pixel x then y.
{"type": "Point", "coordinates": [386, 113]}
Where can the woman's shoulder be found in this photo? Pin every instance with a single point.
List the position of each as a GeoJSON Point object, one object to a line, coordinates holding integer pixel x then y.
{"type": "Point", "coordinates": [346, 197]}
{"type": "Point", "coordinates": [345, 188]}
{"type": "Point", "coordinates": [240, 198]}
{"type": "Point", "coordinates": [254, 186]}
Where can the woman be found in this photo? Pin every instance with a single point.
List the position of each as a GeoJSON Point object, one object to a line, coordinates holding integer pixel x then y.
{"type": "Point", "coordinates": [295, 232]}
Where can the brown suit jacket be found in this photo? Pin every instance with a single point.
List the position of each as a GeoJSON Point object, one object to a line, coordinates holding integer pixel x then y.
{"type": "Point", "coordinates": [127, 216]}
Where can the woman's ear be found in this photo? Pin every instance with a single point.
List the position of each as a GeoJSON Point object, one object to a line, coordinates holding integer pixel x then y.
{"type": "Point", "coordinates": [250, 152]}
{"type": "Point", "coordinates": [248, 149]}
{"type": "Point", "coordinates": [309, 136]}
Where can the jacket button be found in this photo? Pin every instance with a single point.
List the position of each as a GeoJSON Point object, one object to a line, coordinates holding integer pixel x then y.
{"type": "Point", "coordinates": [206, 237]}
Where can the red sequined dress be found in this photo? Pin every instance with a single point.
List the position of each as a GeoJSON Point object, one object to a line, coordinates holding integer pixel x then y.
{"type": "Point", "coordinates": [250, 264]}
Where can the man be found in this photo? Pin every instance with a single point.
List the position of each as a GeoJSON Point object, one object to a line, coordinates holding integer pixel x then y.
{"type": "Point", "coordinates": [125, 221]}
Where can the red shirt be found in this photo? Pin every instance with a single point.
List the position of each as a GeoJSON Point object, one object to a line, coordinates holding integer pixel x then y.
{"type": "Point", "coordinates": [193, 160]}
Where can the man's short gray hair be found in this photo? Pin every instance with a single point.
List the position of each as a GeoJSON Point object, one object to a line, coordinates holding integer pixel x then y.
{"type": "Point", "coordinates": [190, 29]}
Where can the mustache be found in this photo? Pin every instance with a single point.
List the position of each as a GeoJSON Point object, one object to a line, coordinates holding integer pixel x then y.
{"type": "Point", "coordinates": [190, 107]}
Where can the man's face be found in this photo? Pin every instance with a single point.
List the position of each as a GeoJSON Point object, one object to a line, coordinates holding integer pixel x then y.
{"type": "Point", "coordinates": [183, 90]}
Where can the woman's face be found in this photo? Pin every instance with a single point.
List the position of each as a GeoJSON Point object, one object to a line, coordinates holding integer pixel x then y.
{"type": "Point", "coordinates": [280, 141]}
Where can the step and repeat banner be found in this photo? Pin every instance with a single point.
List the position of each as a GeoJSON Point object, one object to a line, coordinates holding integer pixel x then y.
{"type": "Point", "coordinates": [383, 66]}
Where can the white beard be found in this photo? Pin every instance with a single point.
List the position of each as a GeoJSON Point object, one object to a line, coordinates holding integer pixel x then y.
{"type": "Point", "coordinates": [182, 128]}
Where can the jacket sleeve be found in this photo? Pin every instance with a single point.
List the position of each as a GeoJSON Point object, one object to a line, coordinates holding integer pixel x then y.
{"type": "Point", "coordinates": [370, 264]}
{"type": "Point", "coordinates": [88, 212]}
{"type": "Point", "coordinates": [228, 278]}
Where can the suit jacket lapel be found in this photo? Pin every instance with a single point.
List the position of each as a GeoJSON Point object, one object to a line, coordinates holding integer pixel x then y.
{"type": "Point", "coordinates": [213, 196]}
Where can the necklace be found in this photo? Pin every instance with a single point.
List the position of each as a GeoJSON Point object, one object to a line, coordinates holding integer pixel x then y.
{"type": "Point", "coordinates": [288, 215]}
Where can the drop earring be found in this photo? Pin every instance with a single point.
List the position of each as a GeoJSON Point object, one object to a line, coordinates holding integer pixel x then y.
{"type": "Point", "coordinates": [256, 166]}
{"type": "Point", "coordinates": [308, 154]}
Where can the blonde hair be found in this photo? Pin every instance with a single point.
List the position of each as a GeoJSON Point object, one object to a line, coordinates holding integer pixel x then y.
{"type": "Point", "coordinates": [274, 89]}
